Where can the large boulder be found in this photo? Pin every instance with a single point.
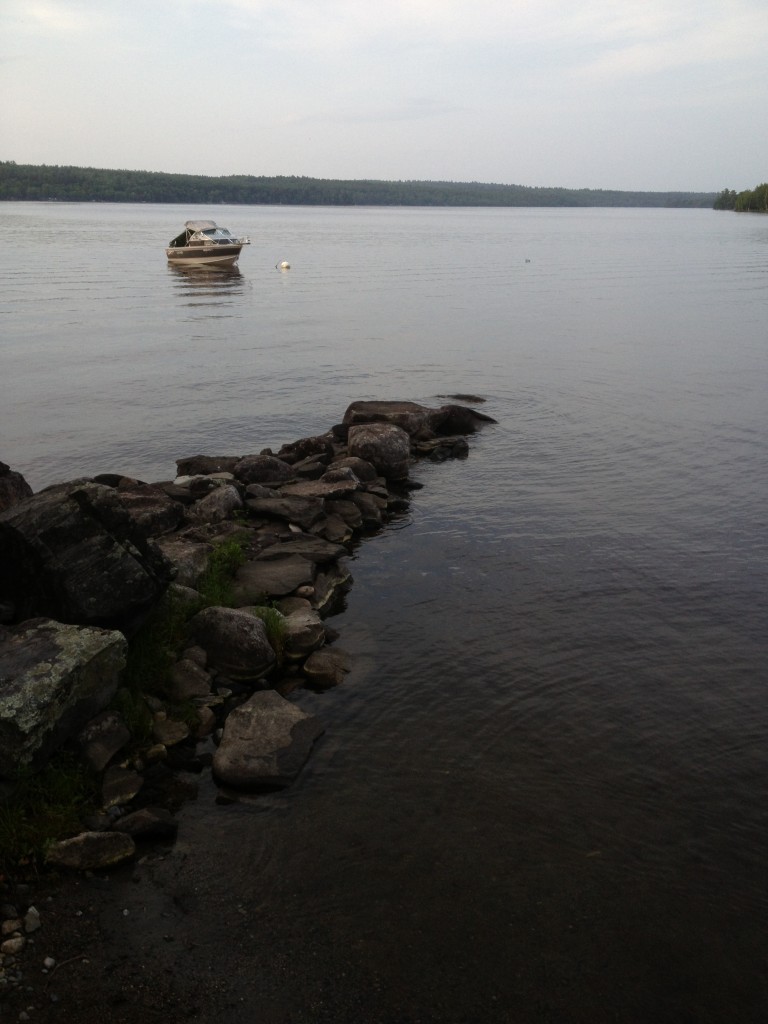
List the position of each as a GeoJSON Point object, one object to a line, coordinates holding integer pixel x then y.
{"type": "Point", "coordinates": [409, 416]}
{"type": "Point", "coordinates": [419, 421]}
{"type": "Point", "coordinates": [152, 509]}
{"type": "Point", "coordinates": [262, 469]}
{"type": "Point", "coordinates": [265, 743]}
{"type": "Point", "coordinates": [54, 678]}
{"type": "Point", "coordinates": [234, 640]}
{"type": "Point", "coordinates": [74, 553]}
{"type": "Point", "coordinates": [13, 487]}
{"type": "Point", "coordinates": [189, 557]}
{"type": "Point", "coordinates": [385, 445]}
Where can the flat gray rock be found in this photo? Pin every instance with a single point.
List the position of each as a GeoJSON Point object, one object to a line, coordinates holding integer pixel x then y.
{"type": "Point", "coordinates": [266, 742]}
{"type": "Point", "coordinates": [260, 580]}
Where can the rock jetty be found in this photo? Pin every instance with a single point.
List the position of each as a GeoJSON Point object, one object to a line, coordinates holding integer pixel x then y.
{"type": "Point", "coordinates": [90, 566]}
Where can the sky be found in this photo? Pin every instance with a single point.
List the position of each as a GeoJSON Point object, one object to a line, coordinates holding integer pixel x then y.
{"type": "Point", "coordinates": [653, 95]}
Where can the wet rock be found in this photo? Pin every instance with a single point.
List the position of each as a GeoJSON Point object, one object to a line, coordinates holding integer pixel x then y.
{"type": "Point", "coordinates": [266, 742]}
{"type": "Point", "coordinates": [348, 511]}
{"type": "Point", "coordinates": [442, 448]}
{"type": "Point", "coordinates": [418, 421]}
{"type": "Point", "coordinates": [329, 587]}
{"type": "Point", "coordinates": [369, 508]}
{"type": "Point", "coordinates": [234, 640]}
{"type": "Point", "coordinates": [13, 487]}
{"type": "Point", "coordinates": [385, 445]}
{"type": "Point", "coordinates": [102, 738]}
{"type": "Point", "coordinates": [326, 668]}
{"type": "Point", "coordinates": [91, 851]}
{"type": "Point", "coordinates": [304, 633]}
{"type": "Point", "coordinates": [408, 416]}
{"type": "Point", "coordinates": [53, 679]}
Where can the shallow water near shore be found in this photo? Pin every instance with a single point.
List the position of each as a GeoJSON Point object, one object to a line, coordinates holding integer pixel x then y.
{"type": "Point", "coordinates": [542, 794]}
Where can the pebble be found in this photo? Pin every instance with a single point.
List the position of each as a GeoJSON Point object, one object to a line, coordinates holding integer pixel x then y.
{"type": "Point", "coordinates": [31, 920]}
{"type": "Point", "coordinates": [13, 945]}
{"type": "Point", "coordinates": [49, 963]}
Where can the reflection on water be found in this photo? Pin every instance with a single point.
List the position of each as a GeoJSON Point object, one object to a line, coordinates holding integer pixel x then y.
{"type": "Point", "coordinates": [206, 280]}
{"type": "Point", "coordinates": [542, 792]}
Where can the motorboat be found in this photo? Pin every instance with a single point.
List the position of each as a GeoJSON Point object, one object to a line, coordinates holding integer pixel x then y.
{"type": "Point", "coordinates": [203, 243]}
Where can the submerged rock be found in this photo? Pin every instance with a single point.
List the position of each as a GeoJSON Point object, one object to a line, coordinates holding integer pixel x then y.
{"type": "Point", "coordinates": [266, 742]}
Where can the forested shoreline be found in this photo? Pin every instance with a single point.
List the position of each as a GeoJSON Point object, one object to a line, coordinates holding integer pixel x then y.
{"type": "Point", "coordinates": [87, 184]}
{"type": "Point", "coordinates": [750, 201]}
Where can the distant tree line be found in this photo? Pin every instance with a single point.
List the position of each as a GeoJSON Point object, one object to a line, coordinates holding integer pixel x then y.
{"type": "Point", "coordinates": [749, 201]}
{"type": "Point", "coordinates": [89, 184]}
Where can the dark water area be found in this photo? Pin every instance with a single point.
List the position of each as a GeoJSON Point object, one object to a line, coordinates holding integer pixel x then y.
{"type": "Point", "coordinates": [542, 794]}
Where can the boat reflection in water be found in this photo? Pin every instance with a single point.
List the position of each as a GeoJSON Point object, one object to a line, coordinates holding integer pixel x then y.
{"type": "Point", "coordinates": [206, 286]}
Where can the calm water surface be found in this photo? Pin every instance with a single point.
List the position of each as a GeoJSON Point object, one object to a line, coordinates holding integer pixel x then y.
{"type": "Point", "coordinates": [543, 792]}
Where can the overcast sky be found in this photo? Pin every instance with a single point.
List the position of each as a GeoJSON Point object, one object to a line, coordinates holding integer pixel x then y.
{"type": "Point", "coordinates": [627, 94]}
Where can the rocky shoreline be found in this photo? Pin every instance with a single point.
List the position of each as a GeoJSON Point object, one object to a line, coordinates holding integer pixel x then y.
{"type": "Point", "coordinates": [89, 565]}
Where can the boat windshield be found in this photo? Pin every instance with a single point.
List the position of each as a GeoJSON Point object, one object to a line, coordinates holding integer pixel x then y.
{"type": "Point", "coordinates": [217, 234]}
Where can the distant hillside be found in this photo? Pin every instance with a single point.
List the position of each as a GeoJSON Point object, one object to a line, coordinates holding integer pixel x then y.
{"type": "Point", "coordinates": [88, 184]}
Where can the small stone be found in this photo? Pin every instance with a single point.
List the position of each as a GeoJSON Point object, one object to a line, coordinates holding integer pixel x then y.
{"type": "Point", "coordinates": [13, 945]}
{"type": "Point", "coordinates": [9, 927]}
{"type": "Point", "coordinates": [49, 963]}
{"type": "Point", "coordinates": [31, 920]}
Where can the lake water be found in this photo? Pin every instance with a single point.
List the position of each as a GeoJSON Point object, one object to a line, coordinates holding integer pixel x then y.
{"type": "Point", "coordinates": [543, 790]}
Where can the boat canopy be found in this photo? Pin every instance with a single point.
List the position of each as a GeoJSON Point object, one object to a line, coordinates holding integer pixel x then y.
{"type": "Point", "coordinates": [203, 231]}
{"type": "Point", "coordinates": [199, 225]}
